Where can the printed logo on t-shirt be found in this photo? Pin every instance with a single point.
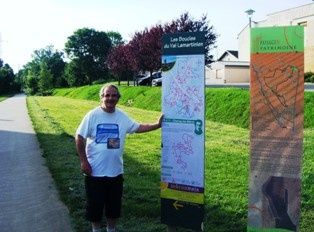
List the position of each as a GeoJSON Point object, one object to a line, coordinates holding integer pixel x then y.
{"type": "Point", "coordinates": [105, 131]}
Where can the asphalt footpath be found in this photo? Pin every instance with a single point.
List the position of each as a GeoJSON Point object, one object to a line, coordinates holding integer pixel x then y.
{"type": "Point", "coordinates": [29, 201]}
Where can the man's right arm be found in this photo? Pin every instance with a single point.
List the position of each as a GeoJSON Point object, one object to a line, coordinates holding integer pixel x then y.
{"type": "Point", "coordinates": [80, 147]}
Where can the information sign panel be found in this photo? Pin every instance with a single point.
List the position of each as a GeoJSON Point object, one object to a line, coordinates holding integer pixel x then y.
{"type": "Point", "coordinates": [276, 140]}
{"type": "Point", "coordinates": [183, 103]}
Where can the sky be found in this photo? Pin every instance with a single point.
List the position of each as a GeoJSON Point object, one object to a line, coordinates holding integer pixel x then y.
{"type": "Point", "coordinates": [29, 25]}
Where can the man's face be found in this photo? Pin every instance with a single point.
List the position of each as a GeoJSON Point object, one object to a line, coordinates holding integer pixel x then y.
{"type": "Point", "coordinates": [198, 125]}
{"type": "Point", "coordinates": [110, 99]}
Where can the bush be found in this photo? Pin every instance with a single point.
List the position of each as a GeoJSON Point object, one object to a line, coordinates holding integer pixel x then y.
{"type": "Point", "coordinates": [309, 77]}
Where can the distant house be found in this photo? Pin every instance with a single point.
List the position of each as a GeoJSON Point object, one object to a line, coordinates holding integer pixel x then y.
{"type": "Point", "coordinates": [233, 66]}
{"type": "Point", "coordinates": [227, 69]}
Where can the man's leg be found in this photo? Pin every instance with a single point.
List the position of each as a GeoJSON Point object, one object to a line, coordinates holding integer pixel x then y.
{"type": "Point", "coordinates": [172, 229]}
{"type": "Point", "coordinates": [94, 201]}
{"type": "Point", "coordinates": [111, 224]}
{"type": "Point", "coordinates": [113, 202]}
{"type": "Point", "coordinates": [96, 226]}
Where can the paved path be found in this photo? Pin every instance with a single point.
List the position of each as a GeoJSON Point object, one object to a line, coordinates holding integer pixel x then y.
{"type": "Point", "coordinates": [29, 201]}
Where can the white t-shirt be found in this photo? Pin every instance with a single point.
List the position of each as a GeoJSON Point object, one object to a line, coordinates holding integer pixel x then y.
{"type": "Point", "coordinates": [105, 135]}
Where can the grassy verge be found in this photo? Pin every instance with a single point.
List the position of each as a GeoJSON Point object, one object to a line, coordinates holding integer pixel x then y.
{"type": "Point", "coordinates": [56, 118]}
{"type": "Point", "coordinates": [225, 105]}
{"type": "Point", "coordinates": [3, 97]}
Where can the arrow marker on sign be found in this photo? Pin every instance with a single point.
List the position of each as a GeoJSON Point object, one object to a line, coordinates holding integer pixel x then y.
{"type": "Point", "coordinates": [176, 205]}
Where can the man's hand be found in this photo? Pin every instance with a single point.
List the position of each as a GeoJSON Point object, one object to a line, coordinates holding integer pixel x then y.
{"type": "Point", "coordinates": [160, 120]}
{"type": "Point", "coordinates": [149, 127]}
{"type": "Point", "coordinates": [86, 168]}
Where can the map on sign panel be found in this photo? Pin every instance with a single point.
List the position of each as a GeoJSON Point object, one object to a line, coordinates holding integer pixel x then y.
{"type": "Point", "coordinates": [183, 107]}
{"type": "Point", "coordinates": [181, 152]}
{"type": "Point", "coordinates": [278, 85]}
{"type": "Point", "coordinates": [182, 149]}
{"type": "Point", "coordinates": [184, 76]}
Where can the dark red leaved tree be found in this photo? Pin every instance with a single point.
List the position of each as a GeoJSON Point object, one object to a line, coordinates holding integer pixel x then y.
{"type": "Point", "coordinates": [121, 62]}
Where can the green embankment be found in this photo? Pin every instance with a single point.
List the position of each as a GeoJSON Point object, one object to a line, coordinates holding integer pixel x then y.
{"type": "Point", "coordinates": [227, 105]}
{"type": "Point", "coordinates": [3, 97]}
{"type": "Point", "coordinates": [56, 118]}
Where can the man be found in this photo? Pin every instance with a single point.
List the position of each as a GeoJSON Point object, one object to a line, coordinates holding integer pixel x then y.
{"type": "Point", "coordinates": [100, 142]}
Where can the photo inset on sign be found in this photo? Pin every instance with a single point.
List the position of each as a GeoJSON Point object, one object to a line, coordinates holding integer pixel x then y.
{"type": "Point", "coordinates": [279, 194]}
{"type": "Point", "coordinates": [167, 63]}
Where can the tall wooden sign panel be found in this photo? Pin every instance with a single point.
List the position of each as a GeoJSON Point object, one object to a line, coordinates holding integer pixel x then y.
{"type": "Point", "coordinates": [183, 106]}
{"type": "Point", "coordinates": [277, 90]}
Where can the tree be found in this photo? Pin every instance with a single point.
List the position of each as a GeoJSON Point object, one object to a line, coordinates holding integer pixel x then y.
{"type": "Point", "coordinates": [90, 48]}
{"type": "Point", "coordinates": [74, 74]}
{"type": "Point", "coordinates": [146, 47]}
{"type": "Point", "coordinates": [31, 81]}
{"type": "Point", "coordinates": [44, 72]}
{"type": "Point", "coordinates": [187, 24]}
{"type": "Point", "coordinates": [120, 62]}
{"type": "Point", "coordinates": [53, 59]}
{"type": "Point", "coordinates": [115, 37]}
{"type": "Point", "coordinates": [45, 82]}
{"type": "Point", "coordinates": [20, 78]}
{"type": "Point", "coordinates": [7, 83]}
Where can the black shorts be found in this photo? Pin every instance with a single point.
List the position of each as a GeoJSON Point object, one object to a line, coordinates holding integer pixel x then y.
{"type": "Point", "coordinates": [103, 192]}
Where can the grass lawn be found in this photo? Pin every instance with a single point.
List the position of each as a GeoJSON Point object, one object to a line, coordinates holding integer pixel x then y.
{"type": "Point", "coordinates": [227, 161]}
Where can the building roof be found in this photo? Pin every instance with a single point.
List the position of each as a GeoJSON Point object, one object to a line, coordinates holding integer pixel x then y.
{"type": "Point", "coordinates": [274, 13]}
{"type": "Point", "coordinates": [228, 52]}
{"type": "Point", "coordinates": [278, 12]}
{"type": "Point", "coordinates": [234, 53]}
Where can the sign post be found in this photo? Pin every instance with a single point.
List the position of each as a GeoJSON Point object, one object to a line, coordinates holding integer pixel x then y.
{"type": "Point", "coordinates": [277, 95]}
{"type": "Point", "coordinates": [182, 163]}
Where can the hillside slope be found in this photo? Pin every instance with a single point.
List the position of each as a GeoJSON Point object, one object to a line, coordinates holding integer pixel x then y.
{"type": "Point", "coordinates": [225, 105]}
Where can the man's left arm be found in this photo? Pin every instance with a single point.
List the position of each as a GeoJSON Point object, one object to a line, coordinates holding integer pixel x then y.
{"type": "Point", "coordinates": [149, 127]}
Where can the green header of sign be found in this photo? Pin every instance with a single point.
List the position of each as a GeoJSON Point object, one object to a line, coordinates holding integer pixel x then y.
{"type": "Point", "coordinates": [277, 39]}
{"type": "Point", "coordinates": [183, 43]}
